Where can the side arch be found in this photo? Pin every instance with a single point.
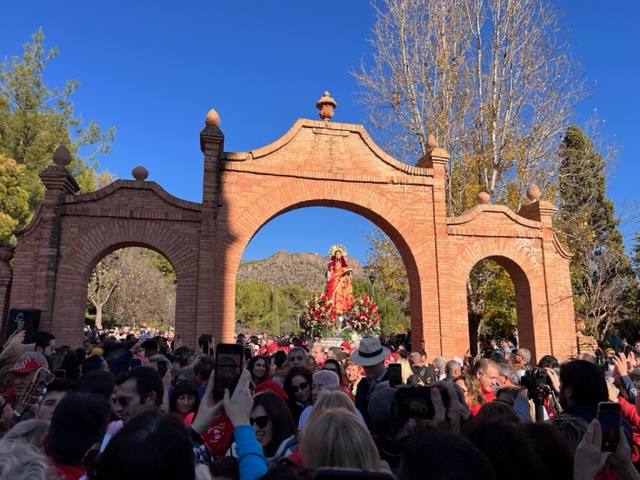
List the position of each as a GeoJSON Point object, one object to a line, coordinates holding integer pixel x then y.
{"type": "Point", "coordinates": [525, 272]}
{"type": "Point", "coordinates": [80, 255]}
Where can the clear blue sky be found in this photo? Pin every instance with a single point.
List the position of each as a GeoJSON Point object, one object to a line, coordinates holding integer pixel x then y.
{"type": "Point", "coordinates": [153, 69]}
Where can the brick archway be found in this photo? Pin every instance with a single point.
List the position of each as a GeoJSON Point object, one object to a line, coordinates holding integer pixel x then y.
{"type": "Point", "coordinates": [314, 163]}
{"type": "Point", "coordinates": [82, 255]}
{"type": "Point", "coordinates": [377, 212]}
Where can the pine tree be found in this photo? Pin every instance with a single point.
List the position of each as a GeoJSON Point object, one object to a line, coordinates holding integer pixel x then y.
{"type": "Point", "coordinates": [35, 118]}
{"type": "Point", "coordinates": [601, 272]}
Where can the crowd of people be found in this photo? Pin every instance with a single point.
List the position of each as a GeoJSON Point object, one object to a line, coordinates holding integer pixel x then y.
{"type": "Point", "coordinates": [140, 405]}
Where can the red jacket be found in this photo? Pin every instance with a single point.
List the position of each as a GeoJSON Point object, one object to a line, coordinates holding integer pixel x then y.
{"type": "Point", "coordinates": [630, 414]}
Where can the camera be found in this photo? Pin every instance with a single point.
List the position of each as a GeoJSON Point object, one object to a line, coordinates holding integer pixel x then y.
{"type": "Point", "coordinates": [536, 381]}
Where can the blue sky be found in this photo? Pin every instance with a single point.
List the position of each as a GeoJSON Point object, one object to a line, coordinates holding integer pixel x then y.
{"type": "Point", "coordinates": [153, 69]}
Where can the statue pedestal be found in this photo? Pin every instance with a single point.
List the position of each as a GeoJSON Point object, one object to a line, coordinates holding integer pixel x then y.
{"type": "Point", "coordinates": [352, 337]}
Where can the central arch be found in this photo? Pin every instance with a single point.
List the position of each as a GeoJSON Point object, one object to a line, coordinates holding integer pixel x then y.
{"type": "Point", "coordinates": [378, 220]}
{"type": "Point", "coordinates": [378, 212]}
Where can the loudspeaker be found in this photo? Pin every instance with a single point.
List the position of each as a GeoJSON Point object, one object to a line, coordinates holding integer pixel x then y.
{"type": "Point", "coordinates": [27, 319]}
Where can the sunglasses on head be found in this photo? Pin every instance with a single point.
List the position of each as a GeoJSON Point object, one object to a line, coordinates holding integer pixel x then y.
{"type": "Point", "coordinates": [260, 422]}
{"type": "Point", "coordinates": [123, 401]}
{"type": "Point", "coordinates": [302, 386]}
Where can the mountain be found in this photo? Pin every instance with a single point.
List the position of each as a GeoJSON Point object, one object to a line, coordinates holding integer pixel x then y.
{"type": "Point", "coordinates": [286, 268]}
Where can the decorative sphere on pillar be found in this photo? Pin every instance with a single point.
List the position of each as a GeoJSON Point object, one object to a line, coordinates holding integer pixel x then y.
{"type": "Point", "coordinates": [212, 119]}
{"type": "Point", "coordinates": [533, 192]}
{"type": "Point", "coordinates": [483, 198]}
{"type": "Point", "coordinates": [326, 104]}
{"type": "Point", "coordinates": [140, 173]}
{"type": "Point", "coordinates": [431, 142]}
{"type": "Point", "coordinates": [62, 156]}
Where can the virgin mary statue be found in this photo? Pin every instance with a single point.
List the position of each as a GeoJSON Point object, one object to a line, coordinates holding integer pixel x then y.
{"type": "Point", "coordinates": [339, 288]}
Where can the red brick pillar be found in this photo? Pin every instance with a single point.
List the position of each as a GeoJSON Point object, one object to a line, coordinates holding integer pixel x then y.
{"type": "Point", "coordinates": [6, 254]}
{"type": "Point", "coordinates": [211, 257]}
{"type": "Point", "coordinates": [555, 332]}
{"type": "Point", "coordinates": [433, 328]}
{"type": "Point", "coordinates": [58, 183]}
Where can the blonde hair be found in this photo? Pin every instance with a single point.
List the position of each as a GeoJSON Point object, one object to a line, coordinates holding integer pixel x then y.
{"type": "Point", "coordinates": [336, 439]}
{"type": "Point", "coordinates": [331, 399]}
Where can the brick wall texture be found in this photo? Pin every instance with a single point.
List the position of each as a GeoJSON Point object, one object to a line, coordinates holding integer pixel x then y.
{"type": "Point", "coordinates": [315, 163]}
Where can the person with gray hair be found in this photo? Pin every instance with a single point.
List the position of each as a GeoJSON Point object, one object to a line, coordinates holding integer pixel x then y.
{"type": "Point", "coordinates": [452, 370]}
{"type": "Point", "coordinates": [31, 431]}
{"type": "Point", "coordinates": [323, 381]}
{"type": "Point", "coordinates": [522, 360]}
{"type": "Point", "coordinates": [507, 377]}
{"type": "Point", "coordinates": [20, 460]}
{"type": "Point", "coordinates": [439, 364]}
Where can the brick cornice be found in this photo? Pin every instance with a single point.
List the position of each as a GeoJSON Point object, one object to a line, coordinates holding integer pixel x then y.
{"type": "Point", "coordinates": [474, 212]}
{"type": "Point", "coordinates": [136, 185]}
{"type": "Point", "coordinates": [256, 169]}
{"type": "Point", "coordinates": [326, 128]}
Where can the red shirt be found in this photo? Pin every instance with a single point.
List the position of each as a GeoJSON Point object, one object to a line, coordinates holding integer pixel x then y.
{"type": "Point", "coordinates": [489, 396]}
{"type": "Point", "coordinates": [68, 472]}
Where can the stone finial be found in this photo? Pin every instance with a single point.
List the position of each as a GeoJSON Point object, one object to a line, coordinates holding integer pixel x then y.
{"type": "Point", "coordinates": [212, 118]}
{"type": "Point", "coordinates": [326, 104]}
{"type": "Point", "coordinates": [62, 156]}
{"type": "Point", "coordinates": [483, 198]}
{"type": "Point", "coordinates": [533, 192]}
{"type": "Point", "coordinates": [431, 142]}
{"type": "Point", "coordinates": [140, 173]}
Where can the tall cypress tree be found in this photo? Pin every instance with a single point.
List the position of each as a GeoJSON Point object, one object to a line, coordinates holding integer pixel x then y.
{"type": "Point", "coordinates": [601, 272]}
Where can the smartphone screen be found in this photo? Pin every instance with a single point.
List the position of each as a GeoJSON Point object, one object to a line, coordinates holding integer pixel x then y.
{"type": "Point", "coordinates": [413, 402]}
{"type": "Point", "coordinates": [609, 418]}
{"type": "Point", "coordinates": [394, 374]}
{"type": "Point", "coordinates": [228, 368]}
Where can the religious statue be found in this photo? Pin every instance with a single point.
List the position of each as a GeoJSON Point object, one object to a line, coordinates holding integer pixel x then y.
{"type": "Point", "coordinates": [339, 289]}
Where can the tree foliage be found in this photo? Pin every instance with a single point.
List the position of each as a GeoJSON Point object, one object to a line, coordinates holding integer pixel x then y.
{"type": "Point", "coordinates": [35, 119]}
{"type": "Point", "coordinates": [384, 259]}
{"type": "Point", "coordinates": [126, 288]}
{"type": "Point", "coordinates": [601, 274]}
{"type": "Point", "coordinates": [261, 307]}
{"type": "Point", "coordinates": [493, 80]}
{"type": "Point", "coordinates": [14, 198]}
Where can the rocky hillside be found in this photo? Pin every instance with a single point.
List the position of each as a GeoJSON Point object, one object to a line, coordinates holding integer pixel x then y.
{"type": "Point", "coordinates": [286, 268]}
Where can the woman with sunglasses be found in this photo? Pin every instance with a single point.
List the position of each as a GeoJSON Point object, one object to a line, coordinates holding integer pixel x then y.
{"type": "Point", "coordinates": [273, 423]}
{"type": "Point", "coordinates": [297, 385]}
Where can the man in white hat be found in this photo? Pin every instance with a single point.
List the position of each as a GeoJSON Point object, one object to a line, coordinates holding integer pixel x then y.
{"type": "Point", "coordinates": [370, 355]}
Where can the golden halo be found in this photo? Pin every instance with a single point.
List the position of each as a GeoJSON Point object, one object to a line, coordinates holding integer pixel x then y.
{"type": "Point", "coordinates": [336, 247]}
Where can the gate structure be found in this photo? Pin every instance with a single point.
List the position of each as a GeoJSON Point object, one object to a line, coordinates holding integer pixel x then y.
{"type": "Point", "coordinates": [316, 163]}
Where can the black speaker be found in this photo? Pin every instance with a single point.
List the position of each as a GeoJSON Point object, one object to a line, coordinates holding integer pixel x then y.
{"type": "Point", "coordinates": [27, 319]}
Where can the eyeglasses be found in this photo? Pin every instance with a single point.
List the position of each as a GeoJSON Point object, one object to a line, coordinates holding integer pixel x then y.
{"type": "Point", "coordinates": [122, 401]}
{"type": "Point", "coordinates": [296, 359]}
{"type": "Point", "coordinates": [302, 386]}
{"type": "Point", "coordinates": [260, 422]}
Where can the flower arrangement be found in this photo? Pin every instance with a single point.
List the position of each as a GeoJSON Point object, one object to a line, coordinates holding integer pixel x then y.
{"type": "Point", "coordinates": [363, 318]}
{"type": "Point", "coordinates": [319, 317]}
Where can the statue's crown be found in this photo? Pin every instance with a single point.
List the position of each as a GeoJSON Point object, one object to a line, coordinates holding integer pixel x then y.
{"type": "Point", "coordinates": [336, 247]}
